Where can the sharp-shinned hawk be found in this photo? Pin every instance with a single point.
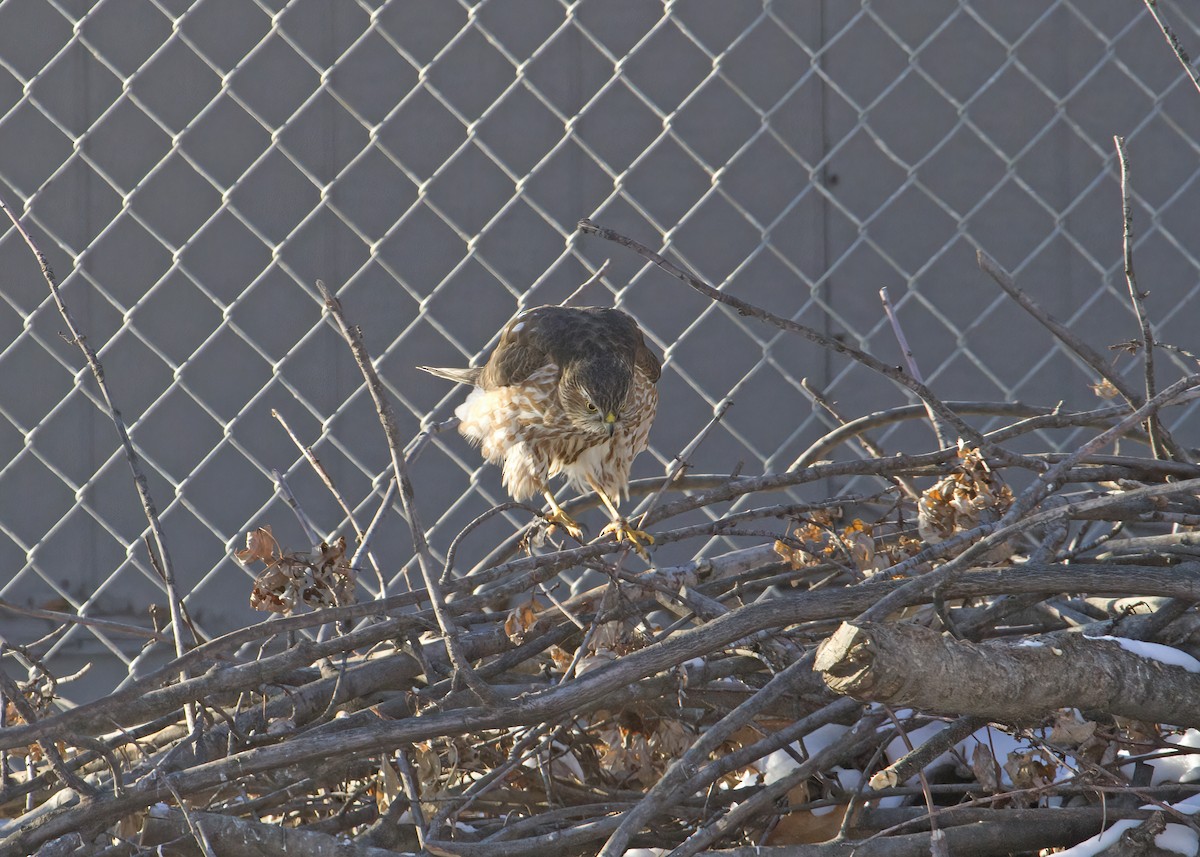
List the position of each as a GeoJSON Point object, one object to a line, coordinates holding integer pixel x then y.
{"type": "Point", "coordinates": [570, 391]}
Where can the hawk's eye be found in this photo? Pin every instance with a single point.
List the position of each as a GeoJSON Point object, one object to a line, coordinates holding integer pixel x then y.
{"type": "Point", "coordinates": [592, 407]}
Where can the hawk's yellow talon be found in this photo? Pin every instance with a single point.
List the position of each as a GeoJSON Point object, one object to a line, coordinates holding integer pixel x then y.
{"type": "Point", "coordinates": [559, 518]}
{"type": "Point", "coordinates": [623, 532]}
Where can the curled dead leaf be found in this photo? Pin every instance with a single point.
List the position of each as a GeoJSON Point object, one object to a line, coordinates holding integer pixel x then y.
{"type": "Point", "coordinates": [1070, 729]}
{"type": "Point", "coordinates": [521, 621]}
{"type": "Point", "coordinates": [1030, 769]}
{"type": "Point", "coordinates": [260, 547]}
{"type": "Point", "coordinates": [983, 766]}
{"type": "Point", "coordinates": [318, 578]}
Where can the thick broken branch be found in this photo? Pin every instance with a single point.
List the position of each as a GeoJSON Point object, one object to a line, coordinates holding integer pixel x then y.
{"type": "Point", "coordinates": [1012, 682]}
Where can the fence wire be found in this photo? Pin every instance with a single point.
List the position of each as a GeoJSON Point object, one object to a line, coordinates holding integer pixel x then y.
{"type": "Point", "coordinates": [191, 168]}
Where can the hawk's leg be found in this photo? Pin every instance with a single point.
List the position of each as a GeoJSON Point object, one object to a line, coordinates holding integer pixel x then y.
{"type": "Point", "coordinates": [619, 526]}
{"type": "Point", "coordinates": [559, 518]}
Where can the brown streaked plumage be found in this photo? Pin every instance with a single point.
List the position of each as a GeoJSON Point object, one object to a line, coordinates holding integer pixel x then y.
{"type": "Point", "coordinates": [567, 391]}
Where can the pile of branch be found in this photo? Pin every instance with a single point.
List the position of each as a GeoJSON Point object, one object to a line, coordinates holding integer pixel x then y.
{"type": "Point", "coordinates": [988, 653]}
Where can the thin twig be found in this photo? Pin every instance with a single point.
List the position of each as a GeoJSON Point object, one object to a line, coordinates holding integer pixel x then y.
{"type": "Point", "coordinates": [310, 530]}
{"type": "Point", "coordinates": [193, 824]}
{"type": "Point", "coordinates": [364, 542]}
{"type": "Point", "coordinates": [910, 361]}
{"type": "Point", "coordinates": [318, 468]}
{"type": "Point", "coordinates": [412, 792]}
{"type": "Point", "coordinates": [327, 479]}
{"type": "Point", "coordinates": [681, 462]}
{"type": "Point", "coordinates": [417, 445]}
{"type": "Point", "coordinates": [920, 770]}
{"type": "Point", "coordinates": [450, 631]}
{"type": "Point", "coordinates": [869, 446]}
{"type": "Point", "coordinates": [86, 621]}
{"type": "Point", "coordinates": [1176, 46]}
{"type": "Point", "coordinates": [562, 608]}
{"type": "Point", "coordinates": [1153, 426]}
{"type": "Point", "coordinates": [915, 760]}
{"type": "Point", "coordinates": [594, 278]}
{"type": "Point", "coordinates": [1061, 332]}
{"type": "Point", "coordinates": [451, 553]}
{"type": "Point", "coordinates": [1036, 418]}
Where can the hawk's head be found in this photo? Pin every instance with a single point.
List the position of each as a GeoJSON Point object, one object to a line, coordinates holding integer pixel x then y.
{"type": "Point", "coordinates": [593, 393]}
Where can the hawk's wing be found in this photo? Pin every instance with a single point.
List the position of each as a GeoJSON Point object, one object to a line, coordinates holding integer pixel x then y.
{"type": "Point", "coordinates": [647, 362]}
{"type": "Point", "coordinates": [643, 358]}
{"type": "Point", "coordinates": [521, 351]}
{"type": "Point", "coordinates": [558, 335]}
{"type": "Point", "coordinates": [627, 336]}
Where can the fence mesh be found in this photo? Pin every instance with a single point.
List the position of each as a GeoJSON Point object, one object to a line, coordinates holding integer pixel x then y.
{"type": "Point", "coordinates": [192, 167]}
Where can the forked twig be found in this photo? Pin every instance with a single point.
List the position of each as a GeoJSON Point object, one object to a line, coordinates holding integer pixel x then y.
{"type": "Point", "coordinates": [18, 701]}
{"type": "Point", "coordinates": [327, 478]}
{"type": "Point", "coordinates": [364, 542]}
{"type": "Point", "coordinates": [322, 473]}
{"type": "Point", "coordinates": [306, 524]}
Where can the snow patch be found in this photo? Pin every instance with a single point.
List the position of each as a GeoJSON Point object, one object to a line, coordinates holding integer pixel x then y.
{"type": "Point", "coordinates": [1182, 768]}
{"type": "Point", "coordinates": [1176, 837]}
{"type": "Point", "coordinates": [1154, 652]}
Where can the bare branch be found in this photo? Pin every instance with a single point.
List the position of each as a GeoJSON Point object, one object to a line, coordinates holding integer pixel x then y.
{"type": "Point", "coordinates": [909, 360]}
{"type": "Point", "coordinates": [1176, 46]}
{"type": "Point", "coordinates": [1153, 425]}
{"type": "Point", "coordinates": [450, 631]}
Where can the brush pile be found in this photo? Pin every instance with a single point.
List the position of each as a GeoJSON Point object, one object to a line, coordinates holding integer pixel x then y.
{"type": "Point", "coordinates": [988, 652]}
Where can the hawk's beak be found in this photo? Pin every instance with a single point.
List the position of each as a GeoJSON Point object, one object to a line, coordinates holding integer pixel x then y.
{"type": "Point", "coordinates": [610, 421]}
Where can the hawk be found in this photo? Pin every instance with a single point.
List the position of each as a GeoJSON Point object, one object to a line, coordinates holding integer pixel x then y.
{"type": "Point", "coordinates": [567, 391]}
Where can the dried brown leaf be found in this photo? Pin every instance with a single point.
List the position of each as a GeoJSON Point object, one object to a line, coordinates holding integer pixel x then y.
{"type": "Point", "coordinates": [260, 547]}
{"type": "Point", "coordinates": [983, 766]}
{"type": "Point", "coordinates": [521, 620]}
{"type": "Point", "coordinates": [1070, 729]}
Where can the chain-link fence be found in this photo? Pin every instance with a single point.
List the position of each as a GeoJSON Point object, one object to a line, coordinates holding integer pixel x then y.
{"type": "Point", "coordinates": [192, 167]}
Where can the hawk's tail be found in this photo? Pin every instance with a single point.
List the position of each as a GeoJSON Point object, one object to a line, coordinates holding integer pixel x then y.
{"type": "Point", "coordinates": [458, 376]}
